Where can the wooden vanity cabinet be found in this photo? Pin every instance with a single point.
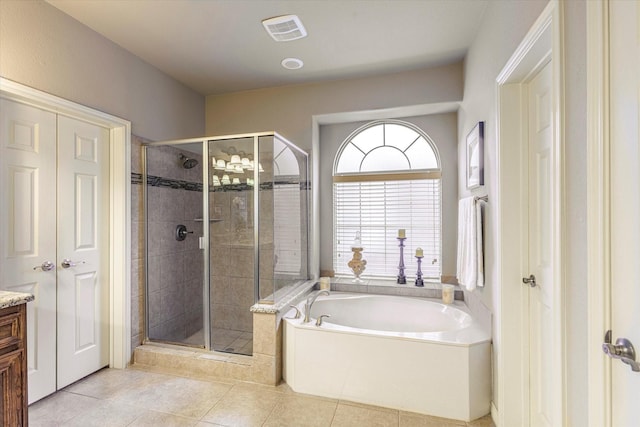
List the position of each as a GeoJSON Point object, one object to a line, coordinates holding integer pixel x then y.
{"type": "Point", "coordinates": [13, 366]}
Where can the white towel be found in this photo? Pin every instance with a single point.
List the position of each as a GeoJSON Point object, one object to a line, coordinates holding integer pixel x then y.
{"type": "Point", "coordinates": [470, 244]}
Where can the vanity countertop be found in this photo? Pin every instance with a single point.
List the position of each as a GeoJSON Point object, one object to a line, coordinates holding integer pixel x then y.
{"type": "Point", "coordinates": [9, 299]}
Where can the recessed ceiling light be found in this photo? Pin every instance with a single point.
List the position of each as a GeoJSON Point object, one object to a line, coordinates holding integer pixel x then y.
{"type": "Point", "coordinates": [285, 28]}
{"type": "Point", "coordinates": [292, 63]}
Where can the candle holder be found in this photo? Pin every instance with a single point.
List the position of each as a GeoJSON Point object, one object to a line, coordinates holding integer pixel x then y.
{"type": "Point", "coordinates": [419, 281]}
{"type": "Point", "coordinates": [402, 279]}
{"type": "Point", "coordinates": [357, 264]}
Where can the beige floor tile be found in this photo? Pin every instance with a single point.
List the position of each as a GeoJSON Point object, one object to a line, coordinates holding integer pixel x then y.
{"type": "Point", "coordinates": [108, 383]}
{"type": "Point", "coordinates": [156, 419]}
{"type": "Point", "coordinates": [364, 405]}
{"type": "Point", "coordinates": [178, 396]}
{"type": "Point", "coordinates": [106, 413]}
{"type": "Point", "coordinates": [299, 411]}
{"type": "Point", "coordinates": [151, 397]}
{"type": "Point", "coordinates": [350, 416]}
{"type": "Point", "coordinates": [244, 405]}
{"type": "Point", "coordinates": [485, 421]}
{"type": "Point", "coordinates": [59, 408]}
{"type": "Point", "coordinates": [409, 419]}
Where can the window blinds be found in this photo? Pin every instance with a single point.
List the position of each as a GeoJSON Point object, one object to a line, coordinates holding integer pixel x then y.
{"type": "Point", "coordinates": [287, 228]}
{"type": "Point", "coordinates": [378, 209]}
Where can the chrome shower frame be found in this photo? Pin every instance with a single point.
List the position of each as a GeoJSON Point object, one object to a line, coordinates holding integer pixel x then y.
{"type": "Point", "coordinates": [206, 298]}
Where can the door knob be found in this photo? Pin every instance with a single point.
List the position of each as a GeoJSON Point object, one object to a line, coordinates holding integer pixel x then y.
{"type": "Point", "coordinates": [531, 280]}
{"type": "Point", "coordinates": [622, 349]}
{"type": "Point", "coordinates": [45, 266]}
{"type": "Point", "coordinates": [67, 263]}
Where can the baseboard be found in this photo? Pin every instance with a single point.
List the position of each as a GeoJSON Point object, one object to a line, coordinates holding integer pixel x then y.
{"type": "Point", "coordinates": [494, 414]}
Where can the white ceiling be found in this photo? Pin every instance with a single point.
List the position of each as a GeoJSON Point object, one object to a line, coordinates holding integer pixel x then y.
{"type": "Point", "coordinates": [220, 46]}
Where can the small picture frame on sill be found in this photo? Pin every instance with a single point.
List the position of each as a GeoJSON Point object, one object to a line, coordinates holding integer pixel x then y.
{"type": "Point", "coordinates": [475, 156]}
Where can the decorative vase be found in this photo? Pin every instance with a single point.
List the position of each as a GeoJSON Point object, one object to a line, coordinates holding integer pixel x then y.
{"type": "Point", "coordinates": [357, 264]}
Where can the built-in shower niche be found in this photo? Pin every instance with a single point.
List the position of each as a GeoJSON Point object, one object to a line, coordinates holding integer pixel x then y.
{"type": "Point", "coordinates": [252, 192]}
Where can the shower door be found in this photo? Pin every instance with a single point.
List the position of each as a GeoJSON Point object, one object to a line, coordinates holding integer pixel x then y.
{"type": "Point", "coordinates": [232, 234]}
{"type": "Point", "coordinates": [175, 258]}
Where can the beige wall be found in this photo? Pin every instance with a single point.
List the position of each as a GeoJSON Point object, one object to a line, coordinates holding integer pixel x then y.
{"type": "Point", "coordinates": [46, 49]}
{"type": "Point", "coordinates": [288, 110]}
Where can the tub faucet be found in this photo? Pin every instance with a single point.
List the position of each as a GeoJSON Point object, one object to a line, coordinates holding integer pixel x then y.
{"type": "Point", "coordinates": [310, 300]}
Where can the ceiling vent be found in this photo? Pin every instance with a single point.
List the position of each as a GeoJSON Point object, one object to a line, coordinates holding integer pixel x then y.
{"type": "Point", "coordinates": [285, 28]}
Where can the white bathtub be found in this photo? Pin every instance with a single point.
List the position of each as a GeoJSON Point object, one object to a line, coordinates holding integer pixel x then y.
{"type": "Point", "coordinates": [411, 354]}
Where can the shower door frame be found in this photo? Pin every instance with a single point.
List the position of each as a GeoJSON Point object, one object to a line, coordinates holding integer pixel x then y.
{"type": "Point", "coordinates": [206, 285]}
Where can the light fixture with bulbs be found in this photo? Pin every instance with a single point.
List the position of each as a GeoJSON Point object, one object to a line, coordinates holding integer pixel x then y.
{"type": "Point", "coordinates": [220, 165]}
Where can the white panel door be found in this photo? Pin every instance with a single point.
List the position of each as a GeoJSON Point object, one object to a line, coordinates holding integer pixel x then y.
{"type": "Point", "coordinates": [625, 203]}
{"type": "Point", "coordinates": [83, 189]}
{"type": "Point", "coordinates": [54, 189]}
{"type": "Point", "coordinates": [540, 248]}
{"type": "Point", "coordinates": [28, 239]}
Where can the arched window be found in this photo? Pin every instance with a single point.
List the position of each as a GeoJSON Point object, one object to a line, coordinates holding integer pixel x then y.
{"type": "Point", "coordinates": [386, 177]}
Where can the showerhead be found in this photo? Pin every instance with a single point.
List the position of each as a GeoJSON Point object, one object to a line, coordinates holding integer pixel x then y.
{"type": "Point", "coordinates": [188, 163]}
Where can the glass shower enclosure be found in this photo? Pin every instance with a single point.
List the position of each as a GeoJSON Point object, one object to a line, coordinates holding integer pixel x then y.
{"type": "Point", "coordinates": [226, 227]}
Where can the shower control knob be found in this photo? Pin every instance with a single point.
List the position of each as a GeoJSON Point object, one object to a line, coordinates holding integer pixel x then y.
{"type": "Point", "coordinates": [181, 232]}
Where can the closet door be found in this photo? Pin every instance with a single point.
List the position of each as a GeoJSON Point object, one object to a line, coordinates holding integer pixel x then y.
{"type": "Point", "coordinates": [28, 230]}
{"type": "Point", "coordinates": [54, 189]}
{"type": "Point", "coordinates": [83, 208]}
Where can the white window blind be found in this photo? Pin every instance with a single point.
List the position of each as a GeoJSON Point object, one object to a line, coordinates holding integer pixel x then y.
{"type": "Point", "coordinates": [377, 209]}
{"type": "Point", "coordinates": [287, 228]}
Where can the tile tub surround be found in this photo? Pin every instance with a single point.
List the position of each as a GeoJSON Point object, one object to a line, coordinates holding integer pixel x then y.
{"type": "Point", "coordinates": [139, 397]}
{"type": "Point", "coordinates": [390, 287]}
{"type": "Point", "coordinates": [10, 299]}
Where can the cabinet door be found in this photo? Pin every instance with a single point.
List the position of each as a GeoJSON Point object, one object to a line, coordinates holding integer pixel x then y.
{"type": "Point", "coordinates": [13, 406]}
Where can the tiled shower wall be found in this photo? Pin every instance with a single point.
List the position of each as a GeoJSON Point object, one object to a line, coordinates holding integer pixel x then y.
{"type": "Point", "coordinates": [175, 267]}
{"type": "Point", "coordinates": [232, 260]}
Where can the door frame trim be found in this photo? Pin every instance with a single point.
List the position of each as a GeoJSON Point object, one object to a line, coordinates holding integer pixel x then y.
{"type": "Point", "coordinates": [543, 42]}
{"type": "Point", "coordinates": [598, 219]}
{"type": "Point", "coordinates": [119, 207]}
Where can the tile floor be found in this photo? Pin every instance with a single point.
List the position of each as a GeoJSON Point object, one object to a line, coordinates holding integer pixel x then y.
{"type": "Point", "coordinates": [137, 397]}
